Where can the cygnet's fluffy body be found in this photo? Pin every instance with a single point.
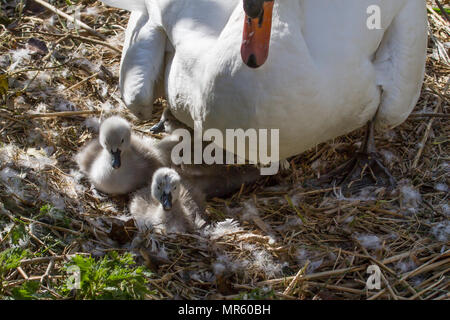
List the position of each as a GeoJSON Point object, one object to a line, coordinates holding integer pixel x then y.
{"type": "Point", "coordinates": [118, 162]}
{"type": "Point", "coordinates": [168, 205]}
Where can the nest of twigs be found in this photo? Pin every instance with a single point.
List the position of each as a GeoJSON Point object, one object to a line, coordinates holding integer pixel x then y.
{"type": "Point", "coordinates": [285, 241]}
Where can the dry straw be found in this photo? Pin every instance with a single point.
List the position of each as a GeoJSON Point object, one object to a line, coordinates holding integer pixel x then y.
{"type": "Point", "coordinates": [288, 241]}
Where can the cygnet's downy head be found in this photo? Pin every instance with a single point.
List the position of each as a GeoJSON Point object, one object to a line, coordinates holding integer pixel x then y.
{"type": "Point", "coordinates": [166, 187]}
{"type": "Point", "coordinates": [115, 136]}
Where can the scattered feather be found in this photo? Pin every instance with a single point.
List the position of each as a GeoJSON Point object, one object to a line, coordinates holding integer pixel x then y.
{"type": "Point", "coordinates": [406, 266]}
{"type": "Point", "coordinates": [92, 124]}
{"type": "Point", "coordinates": [369, 241]}
{"type": "Point", "coordinates": [410, 198]}
{"type": "Point", "coordinates": [441, 231]}
{"type": "Point", "coordinates": [222, 228]}
{"type": "Point", "coordinates": [441, 187]}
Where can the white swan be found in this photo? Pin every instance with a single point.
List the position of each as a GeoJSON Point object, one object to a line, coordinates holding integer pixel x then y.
{"type": "Point", "coordinates": [326, 74]}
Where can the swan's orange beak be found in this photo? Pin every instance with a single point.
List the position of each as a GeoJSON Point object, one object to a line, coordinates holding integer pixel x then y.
{"type": "Point", "coordinates": [256, 36]}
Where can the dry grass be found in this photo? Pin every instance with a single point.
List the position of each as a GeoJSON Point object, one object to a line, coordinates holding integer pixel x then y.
{"type": "Point", "coordinates": [292, 242]}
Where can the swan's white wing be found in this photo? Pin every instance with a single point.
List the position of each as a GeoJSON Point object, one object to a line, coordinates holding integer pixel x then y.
{"type": "Point", "coordinates": [400, 64]}
{"type": "Point", "coordinates": [130, 5]}
{"type": "Point", "coordinates": [142, 63]}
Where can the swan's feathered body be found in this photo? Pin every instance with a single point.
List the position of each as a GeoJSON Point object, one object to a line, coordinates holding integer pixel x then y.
{"type": "Point", "coordinates": [327, 73]}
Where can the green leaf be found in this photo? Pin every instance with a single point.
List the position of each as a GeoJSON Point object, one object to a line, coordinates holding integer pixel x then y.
{"type": "Point", "coordinates": [112, 277]}
{"type": "Point", "coordinates": [11, 257]}
{"type": "Point", "coordinates": [439, 10]}
{"type": "Point", "coordinates": [18, 233]}
{"type": "Point", "coordinates": [27, 291]}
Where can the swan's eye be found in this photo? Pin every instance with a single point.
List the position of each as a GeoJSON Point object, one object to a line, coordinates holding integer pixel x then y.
{"type": "Point", "coordinates": [122, 140]}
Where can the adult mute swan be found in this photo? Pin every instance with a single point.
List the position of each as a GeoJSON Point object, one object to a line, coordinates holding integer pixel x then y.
{"type": "Point", "coordinates": [313, 69]}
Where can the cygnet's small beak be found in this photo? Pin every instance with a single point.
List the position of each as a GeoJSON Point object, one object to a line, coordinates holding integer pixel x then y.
{"type": "Point", "coordinates": [166, 201]}
{"type": "Point", "coordinates": [116, 159]}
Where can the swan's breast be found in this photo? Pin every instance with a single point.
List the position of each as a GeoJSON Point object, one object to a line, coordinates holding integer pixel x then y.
{"type": "Point", "coordinates": [319, 81]}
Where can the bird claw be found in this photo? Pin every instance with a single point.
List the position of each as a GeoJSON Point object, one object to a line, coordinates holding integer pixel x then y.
{"type": "Point", "coordinates": [158, 128]}
{"type": "Point", "coordinates": [363, 170]}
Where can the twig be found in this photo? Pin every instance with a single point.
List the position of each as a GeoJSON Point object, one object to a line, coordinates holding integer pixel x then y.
{"type": "Point", "coordinates": [22, 273]}
{"type": "Point", "coordinates": [60, 114]}
{"type": "Point", "coordinates": [429, 115]}
{"type": "Point", "coordinates": [443, 11]}
{"type": "Point", "coordinates": [78, 37]}
{"type": "Point", "coordinates": [76, 85]}
{"type": "Point", "coordinates": [423, 268]}
{"type": "Point", "coordinates": [70, 18]}
{"type": "Point", "coordinates": [48, 270]}
{"type": "Point", "coordinates": [41, 243]}
{"type": "Point", "coordinates": [409, 253]}
{"type": "Point", "coordinates": [41, 223]}
{"type": "Point", "coordinates": [334, 287]}
{"type": "Point", "coordinates": [425, 136]}
{"type": "Point", "coordinates": [437, 17]}
{"type": "Point", "coordinates": [445, 296]}
{"type": "Point", "coordinates": [418, 294]}
{"type": "Point", "coordinates": [313, 276]}
{"type": "Point", "coordinates": [294, 281]}
{"type": "Point", "coordinates": [103, 43]}
{"type": "Point", "coordinates": [32, 278]}
{"type": "Point", "coordinates": [324, 274]}
{"type": "Point", "coordinates": [384, 267]}
{"type": "Point", "coordinates": [391, 291]}
{"type": "Point", "coordinates": [47, 259]}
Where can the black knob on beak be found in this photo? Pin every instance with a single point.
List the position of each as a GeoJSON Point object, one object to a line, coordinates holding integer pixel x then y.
{"type": "Point", "coordinates": [254, 8]}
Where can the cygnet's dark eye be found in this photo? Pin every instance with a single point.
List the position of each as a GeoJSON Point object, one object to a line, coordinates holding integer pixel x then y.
{"type": "Point", "coordinates": [122, 140]}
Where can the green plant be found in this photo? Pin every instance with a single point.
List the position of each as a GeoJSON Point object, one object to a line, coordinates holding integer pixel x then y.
{"type": "Point", "coordinates": [258, 294]}
{"type": "Point", "coordinates": [112, 277]}
{"type": "Point", "coordinates": [10, 259]}
{"type": "Point", "coordinates": [27, 291]}
{"type": "Point", "coordinates": [439, 10]}
{"type": "Point", "coordinates": [19, 235]}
